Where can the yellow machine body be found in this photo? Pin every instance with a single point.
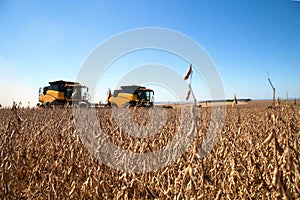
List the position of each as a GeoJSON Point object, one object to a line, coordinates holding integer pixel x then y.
{"type": "Point", "coordinates": [131, 96]}
{"type": "Point", "coordinates": [61, 93]}
{"type": "Point", "coordinates": [51, 96]}
{"type": "Point", "coordinates": [122, 99]}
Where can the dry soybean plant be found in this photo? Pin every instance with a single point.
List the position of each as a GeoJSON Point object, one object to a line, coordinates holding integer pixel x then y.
{"type": "Point", "coordinates": [257, 157]}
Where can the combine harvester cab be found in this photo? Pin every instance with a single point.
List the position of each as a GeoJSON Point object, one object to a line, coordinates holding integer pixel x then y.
{"type": "Point", "coordinates": [132, 96]}
{"type": "Point", "coordinates": [61, 93]}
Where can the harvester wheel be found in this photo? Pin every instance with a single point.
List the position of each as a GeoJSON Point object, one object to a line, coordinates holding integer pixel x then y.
{"type": "Point", "coordinates": [48, 105]}
{"type": "Point", "coordinates": [126, 105]}
{"type": "Point", "coordinates": [83, 105]}
{"type": "Point", "coordinates": [114, 105]}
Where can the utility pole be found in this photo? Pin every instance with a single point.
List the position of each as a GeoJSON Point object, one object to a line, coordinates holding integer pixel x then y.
{"type": "Point", "coordinates": [273, 88]}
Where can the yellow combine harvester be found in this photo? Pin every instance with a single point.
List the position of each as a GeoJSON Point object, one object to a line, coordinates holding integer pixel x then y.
{"type": "Point", "coordinates": [64, 93]}
{"type": "Point", "coordinates": [131, 96]}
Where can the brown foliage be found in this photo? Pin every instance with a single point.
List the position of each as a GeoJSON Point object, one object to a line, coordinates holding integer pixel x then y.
{"type": "Point", "coordinates": [257, 156]}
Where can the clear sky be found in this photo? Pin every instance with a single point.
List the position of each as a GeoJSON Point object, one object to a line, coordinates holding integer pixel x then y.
{"type": "Point", "coordinates": [42, 41]}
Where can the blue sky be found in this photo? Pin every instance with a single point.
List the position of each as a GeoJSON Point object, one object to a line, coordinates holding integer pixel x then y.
{"type": "Point", "coordinates": [43, 41]}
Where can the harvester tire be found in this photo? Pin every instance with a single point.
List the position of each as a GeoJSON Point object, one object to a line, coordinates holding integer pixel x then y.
{"type": "Point", "coordinates": [48, 105]}
{"type": "Point", "coordinates": [114, 105]}
{"type": "Point", "coordinates": [126, 105]}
